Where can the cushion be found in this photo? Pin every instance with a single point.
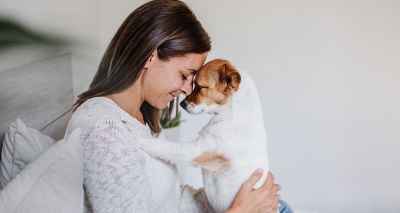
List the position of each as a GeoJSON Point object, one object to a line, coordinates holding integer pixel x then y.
{"type": "Point", "coordinates": [21, 146]}
{"type": "Point", "coordinates": [51, 183]}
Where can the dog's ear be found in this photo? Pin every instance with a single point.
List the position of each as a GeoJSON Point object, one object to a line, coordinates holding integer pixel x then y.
{"type": "Point", "coordinates": [230, 76]}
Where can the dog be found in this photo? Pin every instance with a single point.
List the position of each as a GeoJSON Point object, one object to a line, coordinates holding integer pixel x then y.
{"type": "Point", "coordinates": [233, 143]}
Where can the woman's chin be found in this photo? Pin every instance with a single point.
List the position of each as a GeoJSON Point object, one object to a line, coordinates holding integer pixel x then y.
{"type": "Point", "coordinates": [161, 106]}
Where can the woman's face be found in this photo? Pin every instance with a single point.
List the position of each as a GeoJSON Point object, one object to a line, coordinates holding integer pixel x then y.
{"type": "Point", "coordinates": [164, 80]}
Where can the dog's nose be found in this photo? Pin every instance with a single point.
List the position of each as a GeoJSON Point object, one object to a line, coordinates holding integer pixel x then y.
{"type": "Point", "coordinates": [183, 104]}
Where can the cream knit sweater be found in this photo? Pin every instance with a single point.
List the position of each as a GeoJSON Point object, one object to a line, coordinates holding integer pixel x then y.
{"type": "Point", "coordinates": [120, 177]}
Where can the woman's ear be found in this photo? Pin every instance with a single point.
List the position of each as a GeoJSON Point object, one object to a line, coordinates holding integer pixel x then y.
{"type": "Point", "coordinates": [151, 59]}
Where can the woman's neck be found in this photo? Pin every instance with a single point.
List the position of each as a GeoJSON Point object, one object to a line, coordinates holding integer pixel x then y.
{"type": "Point", "coordinates": [130, 100]}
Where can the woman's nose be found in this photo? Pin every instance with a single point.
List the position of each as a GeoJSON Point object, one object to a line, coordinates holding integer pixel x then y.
{"type": "Point", "coordinates": [187, 87]}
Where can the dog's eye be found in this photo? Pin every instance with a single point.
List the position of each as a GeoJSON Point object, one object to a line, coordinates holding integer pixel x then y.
{"type": "Point", "coordinates": [198, 87]}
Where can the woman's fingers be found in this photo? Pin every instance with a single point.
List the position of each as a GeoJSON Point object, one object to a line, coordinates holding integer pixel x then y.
{"type": "Point", "coordinates": [252, 180]}
{"type": "Point", "coordinates": [264, 199]}
{"type": "Point", "coordinates": [268, 196]}
{"type": "Point", "coordinates": [265, 209]}
{"type": "Point", "coordinates": [275, 196]}
{"type": "Point", "coordinates": [268, 183]}
{"type": "Point", "coordinates": [277, 204]}
{"type": "Point", "coordinates": [275, 189]}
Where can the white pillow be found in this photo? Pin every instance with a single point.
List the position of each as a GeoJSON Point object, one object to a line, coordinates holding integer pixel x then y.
{"type": "Point", "coordinates": [21, 146]}
{"type": "Point", "coordinates": [51, 183]}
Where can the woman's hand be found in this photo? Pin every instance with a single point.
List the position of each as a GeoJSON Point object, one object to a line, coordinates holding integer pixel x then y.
{"type": "Point", "coordinates": [261, 200]}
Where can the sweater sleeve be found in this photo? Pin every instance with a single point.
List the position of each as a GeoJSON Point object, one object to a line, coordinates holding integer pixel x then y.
{"type": "Point", "coordinates": [194, 200]}
{"type": "Point", "coordinates": [114, 170]}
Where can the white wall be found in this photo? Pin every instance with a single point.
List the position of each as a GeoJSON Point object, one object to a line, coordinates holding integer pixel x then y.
{"type": "Point", "coordinates": [112, 14]}
{"type": "Point", "coordinates": [74, 20]}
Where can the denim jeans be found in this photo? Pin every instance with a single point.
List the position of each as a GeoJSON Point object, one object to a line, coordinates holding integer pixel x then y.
{"type": "Point", "coordinates": [284, 207]}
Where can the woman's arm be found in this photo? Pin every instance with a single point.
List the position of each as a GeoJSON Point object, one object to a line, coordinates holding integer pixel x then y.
{"type": "Point", "coordinates": [114, 170]}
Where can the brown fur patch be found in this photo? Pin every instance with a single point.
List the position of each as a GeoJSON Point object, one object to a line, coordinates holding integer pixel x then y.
{"type": "Point", "coordinates": [213, 161]}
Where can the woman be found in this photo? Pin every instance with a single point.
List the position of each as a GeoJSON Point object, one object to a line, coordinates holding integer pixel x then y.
{"type": "Point", "coordinates": [151, 59]}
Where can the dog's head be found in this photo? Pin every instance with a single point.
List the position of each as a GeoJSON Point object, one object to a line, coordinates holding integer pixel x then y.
{"type": "Point", "coordinates": [214, 85]}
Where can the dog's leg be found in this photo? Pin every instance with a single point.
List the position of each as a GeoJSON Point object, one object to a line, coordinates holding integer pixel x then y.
{"type": "Point", "coordinates": [196, 153]}
{"type": "Point", "coordinates": [172, 151]}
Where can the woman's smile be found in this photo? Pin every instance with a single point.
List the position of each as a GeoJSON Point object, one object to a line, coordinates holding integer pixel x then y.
{"type": "Point", "coordinates": [171, 96]}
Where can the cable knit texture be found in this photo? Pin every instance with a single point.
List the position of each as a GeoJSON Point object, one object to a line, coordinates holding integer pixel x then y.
{"type": "Point", "coordinates": [120, 177]}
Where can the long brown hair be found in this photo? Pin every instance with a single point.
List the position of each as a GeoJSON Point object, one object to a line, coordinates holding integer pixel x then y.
{"type": "Point", "coordinates": [166, 25]}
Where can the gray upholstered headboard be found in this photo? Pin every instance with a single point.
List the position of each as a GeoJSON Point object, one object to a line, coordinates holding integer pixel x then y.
{"type": "Point", "coordinates": [40, 94]}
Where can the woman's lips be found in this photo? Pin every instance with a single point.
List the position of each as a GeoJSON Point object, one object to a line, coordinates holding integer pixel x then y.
{"type": "Point", "coordinates": [172, 96]}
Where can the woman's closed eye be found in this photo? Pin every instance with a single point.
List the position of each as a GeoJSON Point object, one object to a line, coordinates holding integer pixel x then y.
{"type": "Point", "coordinates": [183, 77]}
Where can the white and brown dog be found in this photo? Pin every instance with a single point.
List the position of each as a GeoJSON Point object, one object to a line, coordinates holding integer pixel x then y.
{"type": "Point", "coordinates": [233, 144]}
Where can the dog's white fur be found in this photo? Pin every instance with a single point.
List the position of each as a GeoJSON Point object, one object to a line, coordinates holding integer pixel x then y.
{"type": "Point", "coordinates": [236, 131]}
